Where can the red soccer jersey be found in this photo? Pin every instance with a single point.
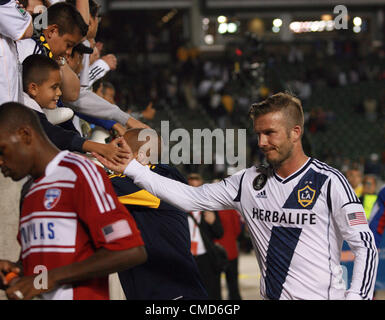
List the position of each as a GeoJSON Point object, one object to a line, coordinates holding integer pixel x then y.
{"type": "Point", "coordinates": [68, 214]}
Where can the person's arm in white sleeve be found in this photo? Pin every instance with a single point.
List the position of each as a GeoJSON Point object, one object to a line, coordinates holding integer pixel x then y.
{"type": "Point", "coordinates": [215, 196]}
{"type": "Point", "coordinates": [15, 22]}
{"type": "Point", "coordinates": [97, 71]}
{"type": "Point", "coordinates": [349, 215]}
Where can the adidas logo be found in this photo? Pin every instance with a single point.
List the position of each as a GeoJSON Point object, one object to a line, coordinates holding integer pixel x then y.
{"type": "Point", "coordinates": [262, 194]}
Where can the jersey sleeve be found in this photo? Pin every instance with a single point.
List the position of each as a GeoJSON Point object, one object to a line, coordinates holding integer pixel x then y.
{"type": "Point", "coordinates": [377, 217]}
{"type": "Point", "coordinates": [215, 196]}
{"type": "Point", "coordinates": [97, 71]}
{"type": "Point", "coordinates": [14, 20]}
{"type": "Point", "coordinates": [349, 216]}
{"type": "Point", "coordinates": [109, 223]}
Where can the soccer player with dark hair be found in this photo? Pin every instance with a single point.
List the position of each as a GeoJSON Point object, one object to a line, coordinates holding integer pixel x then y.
{"type": "Point", "coordinates": [71, 221]}
{"type": "Point", "coordinates": [298, 210]}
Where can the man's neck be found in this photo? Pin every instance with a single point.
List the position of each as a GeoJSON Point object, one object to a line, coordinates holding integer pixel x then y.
{"type": "Point", "coordinates": [291, 165]}
{"type": "Point", "coordinates": [42, 162]}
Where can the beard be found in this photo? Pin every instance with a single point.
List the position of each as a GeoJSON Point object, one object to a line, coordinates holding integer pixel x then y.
{"type": "Point", "coordinates": [282, 155]}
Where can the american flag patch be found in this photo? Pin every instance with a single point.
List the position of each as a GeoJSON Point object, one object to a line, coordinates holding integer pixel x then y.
{"type": "Point", "coordinates": [355, 218]}
{"type": "Point", "coordinates": [116, 230]}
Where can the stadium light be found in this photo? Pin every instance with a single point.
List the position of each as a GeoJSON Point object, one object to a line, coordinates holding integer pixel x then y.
{"type": "Point", "coordinates": [222, 19]}
{"type": "Point", "coordinates": [295, 26]}
{"type": "Point", "coordinates": [209, 39]}
{"type": "Point", "coordinates": [357, 21]}
{"type": "Point", "coordinates": [275, 29]}
{"type": "Point", "coordinates": [277, 23]}
{"type": "Point", "coordinates": [326, 17]}
{"type": "Point", "coordinates": [205, 21]}
{"type": "Point", "coordinates": [232, 27]}
{"type": "Point", "coordinates": [222, 28]}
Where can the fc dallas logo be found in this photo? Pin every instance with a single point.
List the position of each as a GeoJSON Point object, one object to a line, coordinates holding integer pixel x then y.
{"type": "Point", "coordinates": [51, 198]}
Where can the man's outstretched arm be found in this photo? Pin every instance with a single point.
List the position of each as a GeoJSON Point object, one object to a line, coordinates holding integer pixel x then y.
{"type": "Point", "coordinates": [216, 196]}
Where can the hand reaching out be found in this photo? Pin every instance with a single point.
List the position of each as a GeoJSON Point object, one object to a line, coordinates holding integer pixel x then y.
{"type": "Point", "coordinates": [120, 163]}
{"type": "Point", "coordinates": [111, 60]}
{"type": "Point", "coordinates": [149, 112]}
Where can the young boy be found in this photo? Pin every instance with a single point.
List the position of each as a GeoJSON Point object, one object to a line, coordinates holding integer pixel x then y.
{"type": "Point", "coordinates": [41, 83]}
{"type": "Point", "coordinates": [65, 29]}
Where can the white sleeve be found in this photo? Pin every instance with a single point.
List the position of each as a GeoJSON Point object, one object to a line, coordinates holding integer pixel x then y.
{"type": "Point", "coordinates": [215, 196]}
{"type": "Point", "coordinates": [84, 82]}
{"type": "Point", "coordinates": [97, 70]}
{"type": "Point", "coordinates": [349, 216]}
{"type": "Point", "coordinates": [26, 47]}
{"type": "Point", "coordinates": [14, 20]}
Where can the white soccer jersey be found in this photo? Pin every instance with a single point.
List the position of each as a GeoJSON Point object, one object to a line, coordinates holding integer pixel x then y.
{"type": "Point", "coordinates": [14, 21]}
{"type": "Point", "coordinates": [297, 226]}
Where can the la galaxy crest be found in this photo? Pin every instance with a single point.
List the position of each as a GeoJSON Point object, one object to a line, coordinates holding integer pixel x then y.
{"type": "Point", "coordinates": [51, 198]}
{"type": "Point", "coordinates": [259, 181]}
{"type": "Point", "coordinates": [306, 196]}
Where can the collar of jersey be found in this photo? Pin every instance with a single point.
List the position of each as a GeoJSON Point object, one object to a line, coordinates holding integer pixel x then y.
{"type": "Point", "coordinates": [39, 36]}
{"type": "Point", "coordinates": [295, 174]}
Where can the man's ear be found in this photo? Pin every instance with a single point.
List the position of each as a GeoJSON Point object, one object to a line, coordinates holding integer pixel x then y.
{"type": "Point", "coordinates": [25, 135]}
{"type": "Point", "coordinates": [33, 89]}
{"type": "Point", "coordinates": [297, 133]}
{"type": "Point", "coordinates": [51, 31]}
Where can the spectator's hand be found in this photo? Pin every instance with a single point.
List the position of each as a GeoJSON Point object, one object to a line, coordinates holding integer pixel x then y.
{"type": "Point", "coordinates": [121, 164]}
{"type": "Point", "coordinates": [149, 112]}
{"type": "Point", "coordinates": [121, 130]}
{"type": "Point", "coordinates": [209, 217]}
{"type": "Point", "coordinates": [113, 152]}
{"type": "Point", "coordinates": [111, 60]}
{"type": "Point", "coordinates": [94, 55]}
{"type": "Point", "coordinates": [6, 267]}
{"type": "Point", "coordinates": [99, 45]}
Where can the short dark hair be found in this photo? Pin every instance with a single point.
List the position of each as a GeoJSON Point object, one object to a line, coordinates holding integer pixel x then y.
{"type": "Point", "coordinates": [36, 68]}
{"type": "Point", "coordinates": [13, 115]}
{"type": "Point", "coordinates": [107, 85]}
{"type": "Point", "coordinates": [101, 83]}
{"type": "Point", "coordinates": [67, 17]}
{"type": "Point", "coordinates": [284, 102]}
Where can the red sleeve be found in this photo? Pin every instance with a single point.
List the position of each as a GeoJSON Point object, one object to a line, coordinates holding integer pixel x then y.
{"type": "Point", "coordinates": [109, 223]}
